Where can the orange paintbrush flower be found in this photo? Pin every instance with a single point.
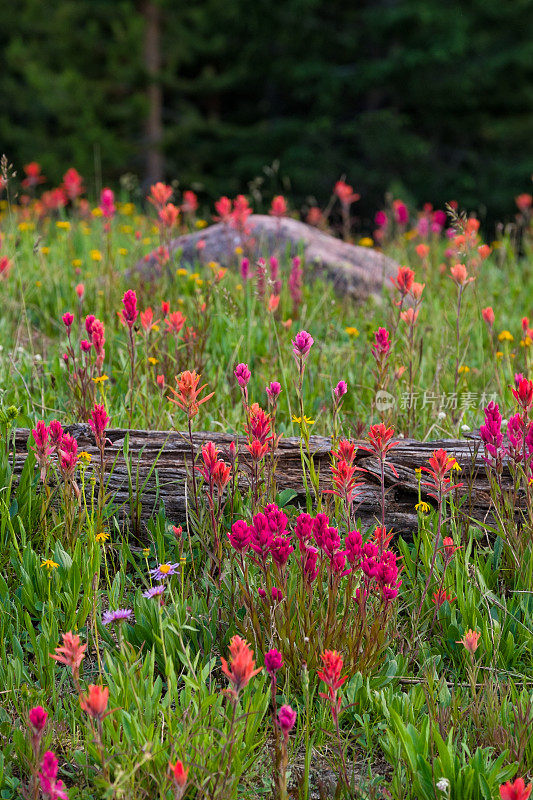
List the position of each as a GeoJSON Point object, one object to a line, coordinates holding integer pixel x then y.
{"type": "Point", "coordinates": [187, 393]}
{"type": "Point", "coordinates": [95, 701]}
{"type": "Point", "coordinates": [71, 653]}
{"type": "Point", "coordinates": [242, 665]}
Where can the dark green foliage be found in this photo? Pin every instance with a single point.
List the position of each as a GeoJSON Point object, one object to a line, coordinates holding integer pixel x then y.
{"type": "Point", "coordinates": [429, 99]}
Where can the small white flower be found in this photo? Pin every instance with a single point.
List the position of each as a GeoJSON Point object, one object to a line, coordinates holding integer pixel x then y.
{"type": "Point", "coordinates": [505, 423]}
{"type": "Point", "coordinates": [443, 785]}
{"type": "Point", "coordinates": [441, 415]}
{"type": "Point", "coordinates": [38, 357]}
{"type": "Point", "coordinates": [465, 427]}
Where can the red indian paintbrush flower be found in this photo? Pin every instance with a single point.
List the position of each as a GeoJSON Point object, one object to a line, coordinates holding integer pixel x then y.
{"type": "Point", "coordinates": [178, 775]}
{"type": "Point", "coordinates": [51, 787]}
{"type": "Point", "coordinates": [331, 675]}
{"type": "Point", "coordinates": [278, 207]}
{"type": "Point", "coordinates": [515, 791]}
{"type": "Point", "coordinates": [187, 393]}
{"type": "Point", "coordinates": [524, 393]}
{"type": "Point", "coordinates": [37, 718]}
{"type": "Point", "coordinates": [129, 313]}
{"type": "Point", "coordinates": [380, 438]}
{"type": "Point", "coordinates": [107, 203]}
{"type": "Point", "coordinates": [71, 652]}
{"type": "Point", "coordinates": [441, 596]}
{"type": "Point", "coordinates": [160, 194]}
{"type": "Point", "coordinates": [242, 665]}
{"type": "Point", "coordinates": [147, 320]}
{"type": "Point", "coordinates": [99, 421]}
{"type": "Point", "coordinates": [33, 175]}
{"type": "Point", "coordinates": [175, 322]}
{"type": "Point", "coordinates": [470, 641]}
{"type": "Point", "coordinates": [72, 183]}
{"type": "Point", "coordinates": [168, 215]}
{"type": "Point", "coordinates": [190, 202]}
{"type": "Point", "coordinates": [286, 720]}
{"type": "Point", "coordinates": [404, 280]}
{"type": "Point", "coordinates": [440, 464]}
{"type": "Point", "coordinates": [345, 193]}
{"type": "Point", "coordinates": [345, 480]}
{"type": "Point", "coordinates": [449, 548]}
{"type": "Point", "coordinates": [95, 701]}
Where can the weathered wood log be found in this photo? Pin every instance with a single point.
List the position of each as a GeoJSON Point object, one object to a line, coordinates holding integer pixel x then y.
{"type": "Point", "coordinates": [170, 452]}
{"type": "Point", "coordinates": [355, 271]}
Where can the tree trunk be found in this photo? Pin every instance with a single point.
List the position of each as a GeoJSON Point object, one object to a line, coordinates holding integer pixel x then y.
{"type": "Point", "coordinates": [154, 121]}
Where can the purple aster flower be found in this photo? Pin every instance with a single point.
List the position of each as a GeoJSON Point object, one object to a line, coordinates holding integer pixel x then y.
{"type": "Point", "coordinates": [154, 591]}
{"type": "Point", "coordinates": [120, 615]}
{"type": "Point", "coordinates": [164, 571]}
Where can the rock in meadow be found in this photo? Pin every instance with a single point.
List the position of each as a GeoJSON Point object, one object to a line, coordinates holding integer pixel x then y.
{"type": "Point", "coordinates": [356, 271]}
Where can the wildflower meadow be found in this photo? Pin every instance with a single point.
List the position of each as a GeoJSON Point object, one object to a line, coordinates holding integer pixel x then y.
{"type": "Point", "coordinates": [266, 641]}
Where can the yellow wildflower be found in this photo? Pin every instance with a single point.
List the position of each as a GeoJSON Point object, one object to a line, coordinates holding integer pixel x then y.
{"type": "Point", "coordinates": [201, 223]}
{"type": "Point", "coordinates": [122, 251]}
{"type": "Point", "coordinates": [103, 536]}
{"type": "Point", "coordinates": [100, 379]}
{"type": "Point", "coordinates": [45, 250]}
{"type": "Point", "coordinates": [126, 229]}
{"type": "Point", "coordinates": [96, 255]}
{"type": "Point", "coordinates": [26, 226]}
{"type": "Point", "coordinates": [366, 241]}
{"type": "Point", "coordinates": [97, 212]}
{"type": "Point", "coordinates": [425, 508]}
{"type": "Point", "coordinates": [181, 271]}
{"type": "Point", "coordinates": [505, 336]}
{"type": "Point", "coordinates": [153, 360]}
{"type": "Point", "coordinates": [63, 224]}
{"type": "Point", "coordinates": [298, 420]}
{"type": "Point", "coordinates": [239, 251]}
{"type": "Point", "coordinates": [76, 262]}
{"type": "Point", "coordinates": [49, 564]}
{"type": "Point", "coordinates": [352, 331]}
{"type": "Point", "coordinates": [147, 240]}
{"type": "Point", "coordinates": [83, 455]}
{"type": "Point", "coordinates": [463, 369]}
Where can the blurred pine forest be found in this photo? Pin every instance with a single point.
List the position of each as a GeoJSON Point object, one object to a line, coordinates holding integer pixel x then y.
{"type": "Point", "coordinates": [431, 100]}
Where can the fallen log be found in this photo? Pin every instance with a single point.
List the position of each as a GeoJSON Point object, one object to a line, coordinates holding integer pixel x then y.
{"type": "Point", "coordinates": [354, 271]}
{"type": "Point", "coordinates": [160, 461]}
